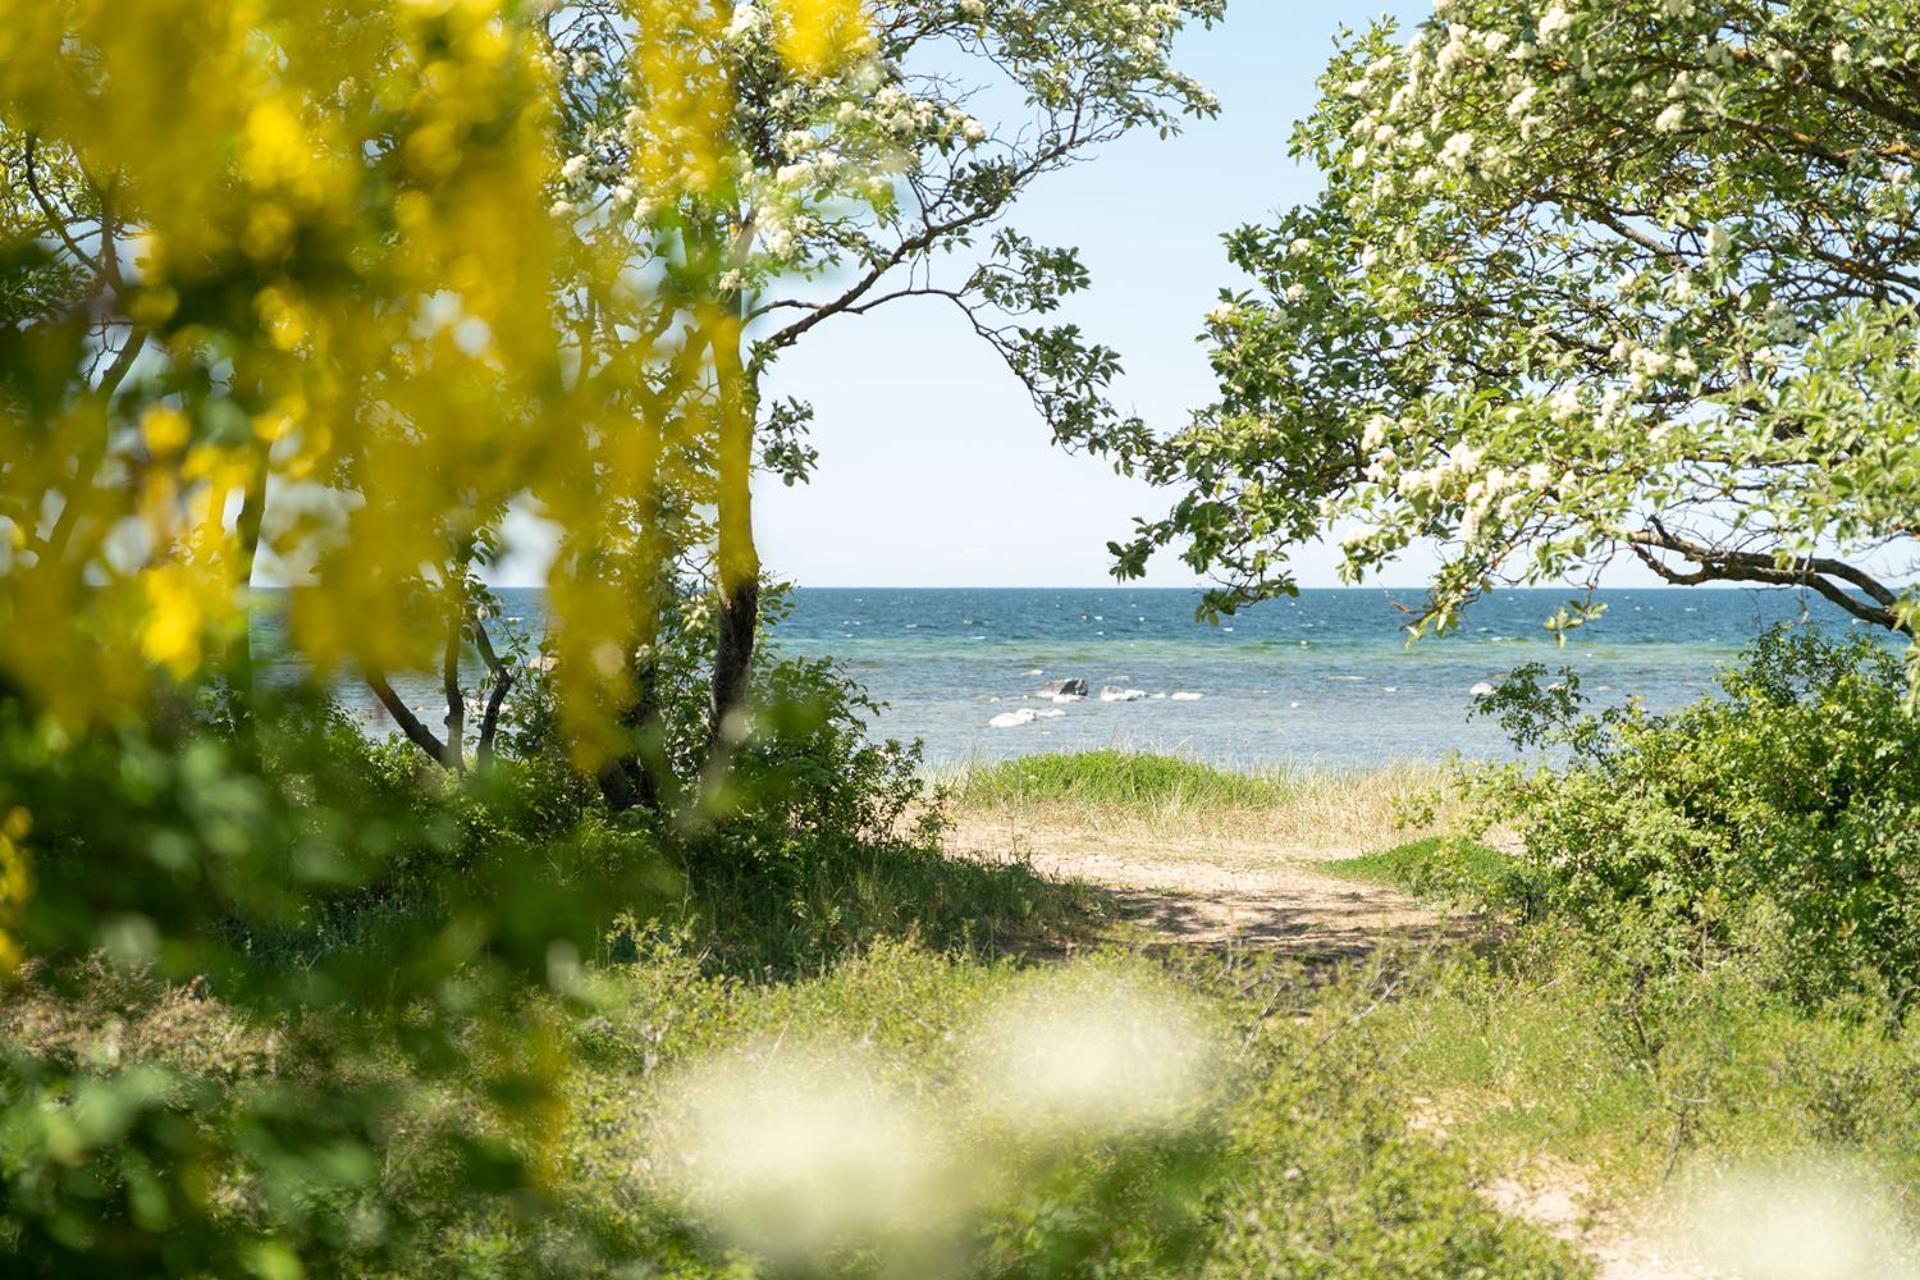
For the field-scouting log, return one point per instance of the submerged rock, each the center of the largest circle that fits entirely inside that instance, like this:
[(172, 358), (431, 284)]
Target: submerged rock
[(1482, 690), (1114, 693), (1184, 696), (1073, 687), (1013, 719)]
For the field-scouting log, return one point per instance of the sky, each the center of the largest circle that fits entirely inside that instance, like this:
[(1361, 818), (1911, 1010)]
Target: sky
[(934, 468)]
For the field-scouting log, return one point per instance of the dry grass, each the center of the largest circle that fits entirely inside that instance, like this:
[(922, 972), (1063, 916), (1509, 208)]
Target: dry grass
[(1297, 812)]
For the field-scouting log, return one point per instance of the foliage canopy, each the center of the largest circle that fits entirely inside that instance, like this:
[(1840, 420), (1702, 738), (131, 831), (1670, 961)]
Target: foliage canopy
[(1586, 279)]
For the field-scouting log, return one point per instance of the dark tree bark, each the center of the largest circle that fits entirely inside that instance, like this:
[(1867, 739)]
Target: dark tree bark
[(240, 671), (410, 724), (733, 660), (496, 697), (738, 561), (456, 721)]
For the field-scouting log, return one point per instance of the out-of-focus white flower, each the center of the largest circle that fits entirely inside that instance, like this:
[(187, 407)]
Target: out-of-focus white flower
[(1222, 313), (1554, 24), (797, 1151), (1671, 119), (1092, 1052), (1816, 1221), (1300, 248), (1296, 292), (1458, 150)]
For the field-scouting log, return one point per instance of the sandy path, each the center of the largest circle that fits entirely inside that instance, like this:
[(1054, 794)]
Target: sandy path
[(1208, 891), (1213, 892)]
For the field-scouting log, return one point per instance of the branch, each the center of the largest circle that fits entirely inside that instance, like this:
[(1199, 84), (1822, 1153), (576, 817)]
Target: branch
[(502, 682), (409, 723), (1817, 572)]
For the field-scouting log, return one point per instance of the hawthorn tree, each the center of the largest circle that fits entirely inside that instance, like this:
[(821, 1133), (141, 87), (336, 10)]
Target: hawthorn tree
[(845, 179), (1586, 279)]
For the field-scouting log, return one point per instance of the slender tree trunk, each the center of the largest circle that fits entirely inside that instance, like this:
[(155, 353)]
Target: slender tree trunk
[(410, 724), (738, 561), (650, 760), (240, 672), (496, 697), (456, 722)]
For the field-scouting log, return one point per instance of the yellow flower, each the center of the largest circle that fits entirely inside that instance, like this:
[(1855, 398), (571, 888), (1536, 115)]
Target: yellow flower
[(16, 885), (166, 430), (819, 37), (175, 618)]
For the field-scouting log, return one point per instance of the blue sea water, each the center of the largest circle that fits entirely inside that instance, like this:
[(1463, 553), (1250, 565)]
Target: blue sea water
[(1326, 679)]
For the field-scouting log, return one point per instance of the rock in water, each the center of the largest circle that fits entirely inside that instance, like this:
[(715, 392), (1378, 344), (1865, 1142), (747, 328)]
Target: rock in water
[(1074, 687), (1482, 690), (1187, 697), (1114, 693), (1013, 719)]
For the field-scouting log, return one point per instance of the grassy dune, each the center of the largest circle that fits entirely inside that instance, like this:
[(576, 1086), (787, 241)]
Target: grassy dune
[(1166, 795)]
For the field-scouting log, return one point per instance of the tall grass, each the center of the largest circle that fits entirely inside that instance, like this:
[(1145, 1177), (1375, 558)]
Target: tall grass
[(1112, 790), (1133, 780)]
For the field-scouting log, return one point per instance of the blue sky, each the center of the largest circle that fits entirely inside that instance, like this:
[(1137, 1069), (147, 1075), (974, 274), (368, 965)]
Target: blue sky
[(935, 471)]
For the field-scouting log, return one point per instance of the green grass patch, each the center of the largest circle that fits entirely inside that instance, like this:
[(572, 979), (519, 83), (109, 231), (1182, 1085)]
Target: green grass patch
[(1115, 779), (1437, 867), (1293, 1159), (1559, 1043)]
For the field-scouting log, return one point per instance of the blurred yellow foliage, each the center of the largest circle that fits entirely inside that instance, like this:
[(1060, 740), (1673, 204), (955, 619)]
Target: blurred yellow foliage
[(328, 252), (818, 37), (16, 883)]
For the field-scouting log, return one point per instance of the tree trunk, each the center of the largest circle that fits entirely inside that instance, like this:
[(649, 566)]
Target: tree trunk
[(733, 662), (410, 724), (496, 698), (738, 561), (247, 535), (456, 722)]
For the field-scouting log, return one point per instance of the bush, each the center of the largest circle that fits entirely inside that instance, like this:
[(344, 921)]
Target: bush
[(1781, 819), (1445, 867)]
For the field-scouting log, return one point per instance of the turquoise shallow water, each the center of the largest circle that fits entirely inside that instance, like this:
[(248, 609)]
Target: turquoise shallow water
[(1327, 679)]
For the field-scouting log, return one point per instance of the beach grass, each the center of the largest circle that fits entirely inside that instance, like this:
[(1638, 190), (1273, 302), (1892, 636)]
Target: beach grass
[(1451, 867), (1285, 805)]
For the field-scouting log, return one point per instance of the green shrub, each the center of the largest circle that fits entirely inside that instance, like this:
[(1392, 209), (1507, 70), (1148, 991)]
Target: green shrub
[(1781, 818), (1449, 867)]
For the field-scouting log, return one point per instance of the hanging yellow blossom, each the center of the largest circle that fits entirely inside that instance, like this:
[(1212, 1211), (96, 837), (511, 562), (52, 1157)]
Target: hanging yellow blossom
[(16, 883), (818, 37)]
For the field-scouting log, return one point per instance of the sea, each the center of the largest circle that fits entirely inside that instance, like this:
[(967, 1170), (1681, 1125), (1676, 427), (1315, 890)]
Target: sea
[(1327, 679)]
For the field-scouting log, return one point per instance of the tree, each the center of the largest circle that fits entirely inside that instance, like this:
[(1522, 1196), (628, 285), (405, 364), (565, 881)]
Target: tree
[(844, 178), (1585, 280)]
